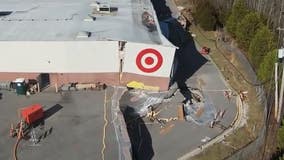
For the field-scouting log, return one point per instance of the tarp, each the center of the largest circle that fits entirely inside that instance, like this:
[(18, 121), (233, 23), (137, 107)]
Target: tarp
[(200, 113), (141, 100)]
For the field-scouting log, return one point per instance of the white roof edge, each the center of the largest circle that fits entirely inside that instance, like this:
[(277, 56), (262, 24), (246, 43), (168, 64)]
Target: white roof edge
[(168, 44)]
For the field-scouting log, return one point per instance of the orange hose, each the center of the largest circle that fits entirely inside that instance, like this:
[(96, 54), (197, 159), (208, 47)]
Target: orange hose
[(20, 136), (15, 149)]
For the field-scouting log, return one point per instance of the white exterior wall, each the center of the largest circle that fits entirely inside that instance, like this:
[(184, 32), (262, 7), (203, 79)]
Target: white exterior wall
[(131, 53), (81, 57), (59, 56)]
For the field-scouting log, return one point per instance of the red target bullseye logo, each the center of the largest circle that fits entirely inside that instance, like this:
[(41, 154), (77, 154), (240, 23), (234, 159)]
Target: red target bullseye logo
[(149, 60)]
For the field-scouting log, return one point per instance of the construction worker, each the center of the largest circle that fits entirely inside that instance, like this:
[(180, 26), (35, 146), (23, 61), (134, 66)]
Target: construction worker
[(227, 94)]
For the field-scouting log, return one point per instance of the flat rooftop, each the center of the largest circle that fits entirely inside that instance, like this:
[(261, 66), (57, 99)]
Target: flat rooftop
[(64, 20)]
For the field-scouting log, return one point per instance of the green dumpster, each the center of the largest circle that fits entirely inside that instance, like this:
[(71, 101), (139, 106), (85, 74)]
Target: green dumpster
[(21, 87)]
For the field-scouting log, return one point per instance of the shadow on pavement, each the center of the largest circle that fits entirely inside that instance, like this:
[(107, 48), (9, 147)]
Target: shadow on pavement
[(52, 110), (46, 114), (141, 141), (187, 58), (189, 61)]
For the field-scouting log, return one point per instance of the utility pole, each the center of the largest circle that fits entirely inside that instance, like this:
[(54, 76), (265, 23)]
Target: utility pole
[(281, 97), (276, 91), (280, 56), (279, 22)]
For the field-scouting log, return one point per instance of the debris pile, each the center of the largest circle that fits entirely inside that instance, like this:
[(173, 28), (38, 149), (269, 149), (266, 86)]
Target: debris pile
[(201, 112)]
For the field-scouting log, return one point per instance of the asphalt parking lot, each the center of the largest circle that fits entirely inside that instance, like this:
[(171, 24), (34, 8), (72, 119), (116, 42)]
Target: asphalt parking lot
[(75, 121)]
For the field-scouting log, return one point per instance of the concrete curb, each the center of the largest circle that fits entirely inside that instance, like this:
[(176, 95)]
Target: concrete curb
[(123, 140)]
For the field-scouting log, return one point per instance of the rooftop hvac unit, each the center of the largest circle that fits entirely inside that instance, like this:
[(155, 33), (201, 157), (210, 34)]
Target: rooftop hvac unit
[(103, 7)]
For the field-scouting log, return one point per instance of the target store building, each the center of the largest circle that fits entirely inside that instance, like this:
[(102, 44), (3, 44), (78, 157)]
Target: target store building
[(84, 41)]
